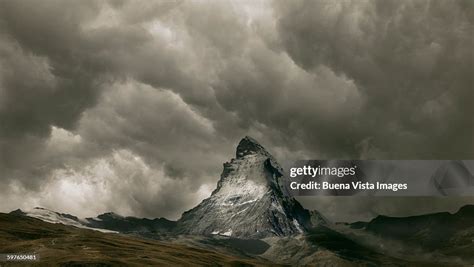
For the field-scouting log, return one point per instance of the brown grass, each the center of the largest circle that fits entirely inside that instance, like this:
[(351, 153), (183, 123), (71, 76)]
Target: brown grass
[(60, 245)]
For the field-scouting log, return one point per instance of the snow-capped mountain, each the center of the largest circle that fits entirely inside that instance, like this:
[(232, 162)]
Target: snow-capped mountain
[(107, 222), (248, 201), (56, 217)]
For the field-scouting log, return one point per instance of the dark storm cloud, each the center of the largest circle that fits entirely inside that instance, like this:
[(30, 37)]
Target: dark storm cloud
[(40, 86), (134, 106), (412, 60), (59, 61), (43, 80)]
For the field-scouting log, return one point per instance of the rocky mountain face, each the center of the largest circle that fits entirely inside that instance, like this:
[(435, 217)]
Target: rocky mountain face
[(249, 201)]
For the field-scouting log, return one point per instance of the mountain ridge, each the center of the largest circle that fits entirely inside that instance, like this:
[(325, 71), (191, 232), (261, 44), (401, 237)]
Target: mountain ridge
[(248, 200), (432, 230)]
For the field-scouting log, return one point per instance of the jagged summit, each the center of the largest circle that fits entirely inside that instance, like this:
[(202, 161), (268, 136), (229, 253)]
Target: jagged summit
[(247, 146), (248, 201)]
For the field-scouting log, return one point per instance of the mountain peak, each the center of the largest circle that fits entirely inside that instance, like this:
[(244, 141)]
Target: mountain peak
[(248, 201), (247, 146)]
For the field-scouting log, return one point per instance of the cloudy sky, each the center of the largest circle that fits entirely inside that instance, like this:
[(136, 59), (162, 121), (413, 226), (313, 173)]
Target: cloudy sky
[(133, 107)]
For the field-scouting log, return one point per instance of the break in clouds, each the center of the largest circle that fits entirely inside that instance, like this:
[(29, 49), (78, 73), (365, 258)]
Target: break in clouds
[(133, 106)]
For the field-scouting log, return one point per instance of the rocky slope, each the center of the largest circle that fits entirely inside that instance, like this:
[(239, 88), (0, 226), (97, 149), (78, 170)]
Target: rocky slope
[(248, 201), (64, 245)]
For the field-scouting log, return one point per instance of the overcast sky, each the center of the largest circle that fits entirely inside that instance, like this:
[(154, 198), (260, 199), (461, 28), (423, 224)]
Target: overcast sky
[(133, 106)]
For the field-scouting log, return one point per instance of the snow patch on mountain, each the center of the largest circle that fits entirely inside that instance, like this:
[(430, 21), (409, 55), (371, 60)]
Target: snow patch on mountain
[(248, 201), (62, 218), (228, 233)]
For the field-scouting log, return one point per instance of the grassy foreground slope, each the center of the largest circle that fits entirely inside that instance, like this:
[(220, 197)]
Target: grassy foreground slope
[(60, 245)]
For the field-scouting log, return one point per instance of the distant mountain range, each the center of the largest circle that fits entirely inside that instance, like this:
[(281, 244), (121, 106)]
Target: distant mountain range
[(107, 222), (452, 233), (248, 215)]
